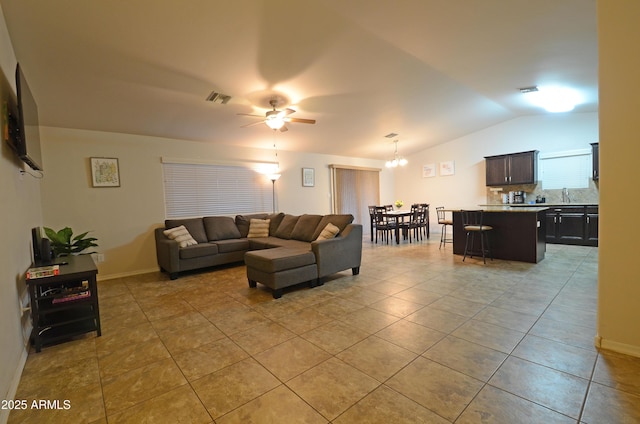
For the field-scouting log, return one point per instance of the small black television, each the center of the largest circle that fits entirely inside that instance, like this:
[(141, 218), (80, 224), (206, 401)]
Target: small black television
[(26, 135)]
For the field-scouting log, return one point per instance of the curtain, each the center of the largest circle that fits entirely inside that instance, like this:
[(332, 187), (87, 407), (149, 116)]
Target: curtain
[(354, 190)]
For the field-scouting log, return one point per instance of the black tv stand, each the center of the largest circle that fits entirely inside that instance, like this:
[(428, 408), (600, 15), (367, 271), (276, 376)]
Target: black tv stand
[(65, 305)]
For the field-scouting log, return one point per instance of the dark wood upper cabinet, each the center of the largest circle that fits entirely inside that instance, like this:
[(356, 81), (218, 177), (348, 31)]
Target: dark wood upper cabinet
[(515, 168)]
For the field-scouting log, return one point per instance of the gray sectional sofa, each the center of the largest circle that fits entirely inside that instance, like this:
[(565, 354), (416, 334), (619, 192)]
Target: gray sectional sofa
[(223, 240)]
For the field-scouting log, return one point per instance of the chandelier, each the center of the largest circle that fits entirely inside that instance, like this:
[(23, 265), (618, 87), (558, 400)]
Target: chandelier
[(397, 159)]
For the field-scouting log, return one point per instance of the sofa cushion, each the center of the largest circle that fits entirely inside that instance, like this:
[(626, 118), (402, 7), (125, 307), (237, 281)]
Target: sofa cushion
[(243, 222), (286, 226), (329, 232), (220, 228), (339, 220), (181, 235), (198, 251), (306, 227), (232, 245), (259, 228), (193, 225), (279, 259), (276, 219)]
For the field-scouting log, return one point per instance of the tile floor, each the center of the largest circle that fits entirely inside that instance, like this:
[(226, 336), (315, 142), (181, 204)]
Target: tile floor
[(418, 336)]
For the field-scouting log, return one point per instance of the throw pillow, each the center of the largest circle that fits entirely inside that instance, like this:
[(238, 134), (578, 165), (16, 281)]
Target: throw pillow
[(329, 232), (181, 235), (258, 228)]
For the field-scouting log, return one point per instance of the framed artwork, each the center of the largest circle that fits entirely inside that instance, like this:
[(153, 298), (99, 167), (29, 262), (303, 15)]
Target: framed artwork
[(429, 170), (447, 168), (308, 177), (105, 172)]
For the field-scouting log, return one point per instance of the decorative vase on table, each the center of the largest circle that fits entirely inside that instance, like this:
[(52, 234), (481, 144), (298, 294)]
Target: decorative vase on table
[(399, 204)]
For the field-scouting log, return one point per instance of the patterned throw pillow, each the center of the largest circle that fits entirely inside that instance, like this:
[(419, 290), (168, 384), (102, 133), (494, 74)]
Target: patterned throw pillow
[(259, 228), (329, 232), (181, 235)]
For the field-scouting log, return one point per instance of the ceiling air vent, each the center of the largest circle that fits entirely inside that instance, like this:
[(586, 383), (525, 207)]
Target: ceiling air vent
[(218, 97), (531, 89)]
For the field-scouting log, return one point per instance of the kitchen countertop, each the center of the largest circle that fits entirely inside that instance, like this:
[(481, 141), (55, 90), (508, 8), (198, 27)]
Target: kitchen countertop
[(537, 205), (503, 208)]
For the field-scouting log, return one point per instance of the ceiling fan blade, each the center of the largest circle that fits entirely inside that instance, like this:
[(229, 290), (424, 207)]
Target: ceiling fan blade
[(252, 124), (250, 114), (288, 111), (301, 120), (284, 128)]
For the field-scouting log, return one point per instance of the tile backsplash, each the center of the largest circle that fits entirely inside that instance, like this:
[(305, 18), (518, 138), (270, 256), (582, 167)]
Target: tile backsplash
[(576, 195)]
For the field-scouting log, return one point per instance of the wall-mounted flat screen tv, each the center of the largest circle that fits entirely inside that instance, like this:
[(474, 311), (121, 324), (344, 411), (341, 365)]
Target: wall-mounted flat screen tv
[(26, 141)]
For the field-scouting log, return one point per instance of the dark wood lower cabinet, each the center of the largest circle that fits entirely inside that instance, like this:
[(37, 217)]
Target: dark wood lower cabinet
[(516, 235), (577, 225)]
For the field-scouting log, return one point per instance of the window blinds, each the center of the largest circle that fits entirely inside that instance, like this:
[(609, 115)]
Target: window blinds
[(205, 189), (571, 169)]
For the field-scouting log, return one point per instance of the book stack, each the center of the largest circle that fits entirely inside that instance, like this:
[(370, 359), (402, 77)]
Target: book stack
[(43, 272)]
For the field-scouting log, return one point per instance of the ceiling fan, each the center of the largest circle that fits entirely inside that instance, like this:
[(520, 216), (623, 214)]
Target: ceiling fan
[(276, 119)]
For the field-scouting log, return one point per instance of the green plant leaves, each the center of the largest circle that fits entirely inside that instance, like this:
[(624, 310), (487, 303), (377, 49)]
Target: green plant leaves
[(63, 244)]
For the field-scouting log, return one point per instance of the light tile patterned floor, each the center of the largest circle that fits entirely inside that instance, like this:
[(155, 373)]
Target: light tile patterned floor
[(418, 336)]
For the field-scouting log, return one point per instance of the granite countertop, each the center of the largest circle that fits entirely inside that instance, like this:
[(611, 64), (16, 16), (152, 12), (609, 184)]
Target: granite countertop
[(509, 208), (536, 205), (503, 208)]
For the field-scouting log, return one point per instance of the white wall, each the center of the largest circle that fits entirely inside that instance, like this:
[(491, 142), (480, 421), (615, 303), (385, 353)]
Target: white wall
[(20, 211), (546, 133), (123, 218)]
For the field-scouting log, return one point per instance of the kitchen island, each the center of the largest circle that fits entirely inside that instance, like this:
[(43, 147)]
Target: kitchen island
[(518, 233)]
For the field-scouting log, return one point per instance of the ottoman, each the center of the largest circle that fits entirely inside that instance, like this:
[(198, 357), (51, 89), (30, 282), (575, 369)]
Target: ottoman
[(281, 267)]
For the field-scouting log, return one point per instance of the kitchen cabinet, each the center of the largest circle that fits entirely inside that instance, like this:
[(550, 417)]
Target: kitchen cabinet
[(591, 235), (577, 225), (514, 168), (595, 158)]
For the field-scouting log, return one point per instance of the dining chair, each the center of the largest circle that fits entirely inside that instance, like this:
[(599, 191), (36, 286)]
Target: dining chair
[(424, 219), (384, 225), (414, 226), (372, 219), (444, 222), (472, 222)]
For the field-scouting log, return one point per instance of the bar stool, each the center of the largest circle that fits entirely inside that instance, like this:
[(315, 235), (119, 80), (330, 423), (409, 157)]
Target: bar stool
[(444, 221), (472, 224)]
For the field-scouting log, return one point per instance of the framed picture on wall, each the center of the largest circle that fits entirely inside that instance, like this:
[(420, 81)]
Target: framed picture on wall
[(429, 170), (105, 172), (447, 168), (308, 177)]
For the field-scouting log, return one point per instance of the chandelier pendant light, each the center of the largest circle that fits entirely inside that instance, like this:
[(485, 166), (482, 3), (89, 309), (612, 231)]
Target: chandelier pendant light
[(397, 159)]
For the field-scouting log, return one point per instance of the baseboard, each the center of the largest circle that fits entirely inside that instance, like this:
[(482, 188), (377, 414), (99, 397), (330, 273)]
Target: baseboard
[(127, 274), (13, 388), (618, 347)]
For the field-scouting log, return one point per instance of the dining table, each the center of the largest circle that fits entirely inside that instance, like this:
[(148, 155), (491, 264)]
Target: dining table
[(400, 215)]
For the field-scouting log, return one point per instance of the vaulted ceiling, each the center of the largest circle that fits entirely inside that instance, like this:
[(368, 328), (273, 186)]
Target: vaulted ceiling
[(428, 70)]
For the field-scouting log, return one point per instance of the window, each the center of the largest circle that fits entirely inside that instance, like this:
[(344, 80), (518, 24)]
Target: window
[(570, 169), (192, 190)]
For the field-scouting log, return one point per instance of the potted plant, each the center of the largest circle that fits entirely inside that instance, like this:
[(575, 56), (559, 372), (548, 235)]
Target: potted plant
[(63, 243)]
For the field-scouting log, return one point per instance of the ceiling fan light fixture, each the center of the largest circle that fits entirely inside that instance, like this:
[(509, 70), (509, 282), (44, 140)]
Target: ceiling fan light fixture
[(275, 122)]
